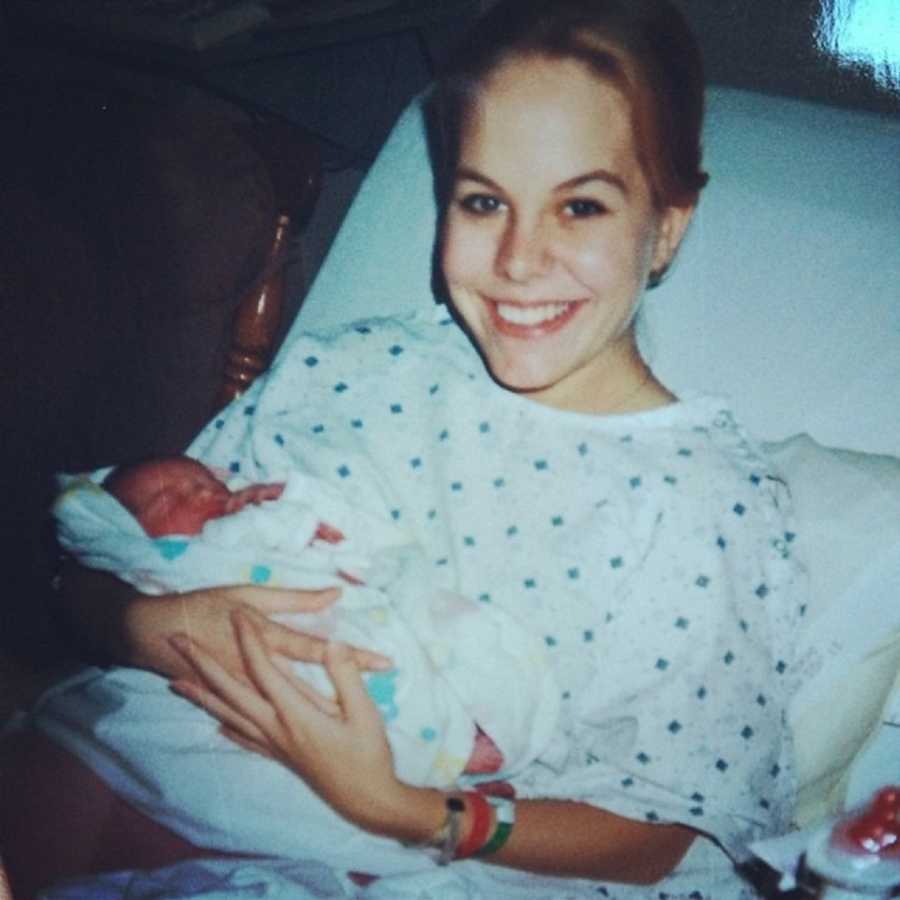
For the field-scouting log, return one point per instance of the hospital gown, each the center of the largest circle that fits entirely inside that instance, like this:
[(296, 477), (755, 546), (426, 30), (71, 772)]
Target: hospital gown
[(652, 552)]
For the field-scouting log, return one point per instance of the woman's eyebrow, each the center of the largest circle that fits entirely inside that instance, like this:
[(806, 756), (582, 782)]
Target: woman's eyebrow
[(603, 175), (464, 173)]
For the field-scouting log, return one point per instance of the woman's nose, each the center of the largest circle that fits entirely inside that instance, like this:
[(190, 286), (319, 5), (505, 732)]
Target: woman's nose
[(524, 252)]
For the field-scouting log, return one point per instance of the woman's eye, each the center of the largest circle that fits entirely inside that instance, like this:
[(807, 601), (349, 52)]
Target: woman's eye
[(582, 208), (480, 204)]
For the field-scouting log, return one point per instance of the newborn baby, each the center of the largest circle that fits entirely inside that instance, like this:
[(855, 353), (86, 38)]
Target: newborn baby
[(462, 669), (295, 533), (179, 495)]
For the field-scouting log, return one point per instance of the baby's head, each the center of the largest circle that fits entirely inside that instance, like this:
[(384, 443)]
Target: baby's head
[(170, 495)]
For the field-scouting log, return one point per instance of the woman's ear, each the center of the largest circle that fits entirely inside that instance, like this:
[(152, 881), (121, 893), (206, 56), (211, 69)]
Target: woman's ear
[(673, 223)]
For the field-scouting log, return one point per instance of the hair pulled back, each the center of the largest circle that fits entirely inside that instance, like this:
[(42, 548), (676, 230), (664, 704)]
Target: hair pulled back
[(645, 47)]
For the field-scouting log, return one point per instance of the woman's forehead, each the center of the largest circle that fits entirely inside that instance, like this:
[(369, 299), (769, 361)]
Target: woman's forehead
[(561, 93), (547, 117)]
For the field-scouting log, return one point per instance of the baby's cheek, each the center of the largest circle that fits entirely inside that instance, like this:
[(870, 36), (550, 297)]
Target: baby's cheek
[(191, 519), (175, 521)]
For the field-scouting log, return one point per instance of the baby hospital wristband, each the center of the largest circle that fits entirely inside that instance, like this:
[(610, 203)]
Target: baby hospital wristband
[(505, 811)]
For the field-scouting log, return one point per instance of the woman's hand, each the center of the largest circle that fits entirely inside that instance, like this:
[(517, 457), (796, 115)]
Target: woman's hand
[(149, 622), (114, 623), (340, 750), (338, 747)]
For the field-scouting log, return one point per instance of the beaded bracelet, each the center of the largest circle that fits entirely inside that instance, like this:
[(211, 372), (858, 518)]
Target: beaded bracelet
[(505, 811)]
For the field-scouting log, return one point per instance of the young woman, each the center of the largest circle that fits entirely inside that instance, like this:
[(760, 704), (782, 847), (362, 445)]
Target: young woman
[(531, 450)]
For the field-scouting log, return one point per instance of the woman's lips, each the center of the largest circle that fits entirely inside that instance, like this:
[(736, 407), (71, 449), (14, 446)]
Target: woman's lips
[(531, 320)]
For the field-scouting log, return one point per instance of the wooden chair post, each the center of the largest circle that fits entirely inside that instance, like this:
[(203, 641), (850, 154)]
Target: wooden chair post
[(256, 321)]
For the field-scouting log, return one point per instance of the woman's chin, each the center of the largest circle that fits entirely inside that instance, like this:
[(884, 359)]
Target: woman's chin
[(519, 379)]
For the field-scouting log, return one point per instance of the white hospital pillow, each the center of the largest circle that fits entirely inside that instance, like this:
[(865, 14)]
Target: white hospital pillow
[(847, 506)]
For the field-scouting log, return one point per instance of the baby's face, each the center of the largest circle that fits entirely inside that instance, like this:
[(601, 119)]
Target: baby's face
[(176, 496)]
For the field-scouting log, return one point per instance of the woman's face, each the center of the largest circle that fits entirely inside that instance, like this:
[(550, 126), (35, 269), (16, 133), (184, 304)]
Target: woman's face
[(551, 233)]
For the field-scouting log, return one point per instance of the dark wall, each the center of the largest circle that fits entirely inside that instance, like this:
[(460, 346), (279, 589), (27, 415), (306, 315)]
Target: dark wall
[(770, 46)]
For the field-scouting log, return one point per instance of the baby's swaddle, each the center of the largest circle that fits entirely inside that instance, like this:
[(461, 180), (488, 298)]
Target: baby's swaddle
[(458, 662)]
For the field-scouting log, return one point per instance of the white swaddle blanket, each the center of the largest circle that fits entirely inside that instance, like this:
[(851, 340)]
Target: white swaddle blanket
[(450, 654), (274, 543)]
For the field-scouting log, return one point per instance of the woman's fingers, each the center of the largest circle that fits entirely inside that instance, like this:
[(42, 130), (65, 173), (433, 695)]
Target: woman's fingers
[(242, 741), (268, 632), (370, 661), (327, 705), (342, 753), (241, 699), (269, 600), (207, 700), (309, 648), (283, 640), (297, 644), (278, 687), (348, 683)]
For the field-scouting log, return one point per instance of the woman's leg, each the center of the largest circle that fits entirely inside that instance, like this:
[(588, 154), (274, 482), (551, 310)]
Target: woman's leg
[(58, 819)]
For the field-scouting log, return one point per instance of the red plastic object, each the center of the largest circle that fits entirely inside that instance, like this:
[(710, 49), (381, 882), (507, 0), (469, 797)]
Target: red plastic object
[(876, 829)]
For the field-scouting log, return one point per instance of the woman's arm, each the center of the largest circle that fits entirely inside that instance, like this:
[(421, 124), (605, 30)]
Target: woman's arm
[(341, 751), (116, 624), (561, 837), (92, 605)]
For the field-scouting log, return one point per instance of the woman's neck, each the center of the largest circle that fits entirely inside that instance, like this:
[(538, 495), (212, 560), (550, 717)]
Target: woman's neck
[(624, 383)]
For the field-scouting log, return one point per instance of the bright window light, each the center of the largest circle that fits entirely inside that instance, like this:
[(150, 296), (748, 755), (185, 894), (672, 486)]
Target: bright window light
[(863, 33)]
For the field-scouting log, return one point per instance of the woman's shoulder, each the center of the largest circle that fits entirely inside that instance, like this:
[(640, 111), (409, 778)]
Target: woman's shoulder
[(371, 361), (697, 425), (419, 330), (379, 344), (709, 420), (701, 444)]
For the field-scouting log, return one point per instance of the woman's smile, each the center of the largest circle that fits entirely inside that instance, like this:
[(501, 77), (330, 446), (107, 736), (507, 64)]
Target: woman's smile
[(531, 320), (548, 243)]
